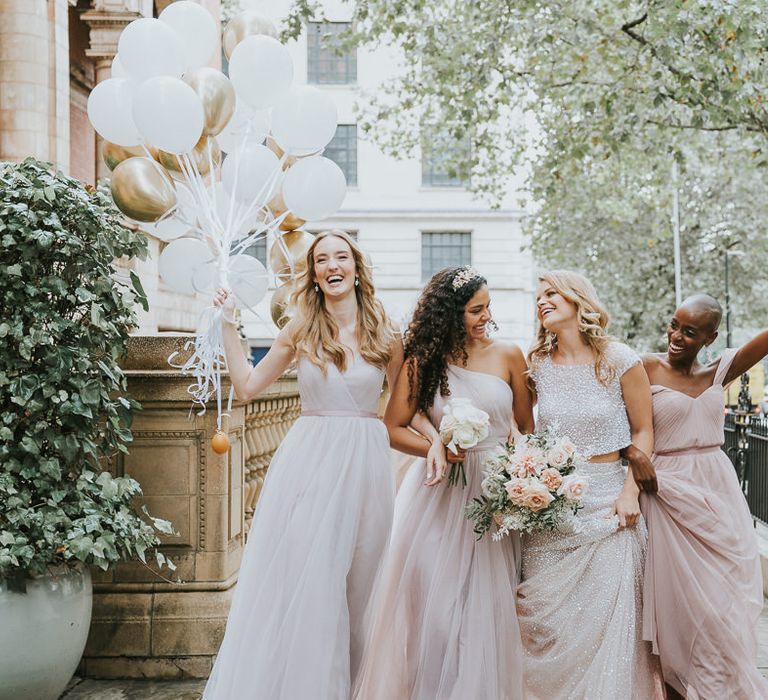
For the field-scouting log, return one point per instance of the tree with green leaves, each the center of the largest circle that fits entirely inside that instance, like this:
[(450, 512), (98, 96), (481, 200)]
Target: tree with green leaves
[(63, 413), (592, 101)]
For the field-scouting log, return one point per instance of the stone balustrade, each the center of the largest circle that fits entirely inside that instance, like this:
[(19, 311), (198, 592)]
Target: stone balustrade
[(267, 420), (144, 626)]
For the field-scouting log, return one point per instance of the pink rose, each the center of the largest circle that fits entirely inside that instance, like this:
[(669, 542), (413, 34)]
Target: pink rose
[(516, 491), (573, 487), (529, 462), (566, 445), (537, 497), (551, 478)]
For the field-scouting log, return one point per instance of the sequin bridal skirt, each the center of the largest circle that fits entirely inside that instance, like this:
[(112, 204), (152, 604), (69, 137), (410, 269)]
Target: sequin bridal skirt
[(580, 604)]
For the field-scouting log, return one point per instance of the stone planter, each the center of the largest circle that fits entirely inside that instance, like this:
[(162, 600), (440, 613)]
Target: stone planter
[(43, 633)]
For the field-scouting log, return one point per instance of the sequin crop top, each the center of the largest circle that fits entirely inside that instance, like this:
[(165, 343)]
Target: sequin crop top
[(573, 403)]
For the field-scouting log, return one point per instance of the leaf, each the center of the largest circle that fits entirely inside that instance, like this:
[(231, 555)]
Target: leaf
[(142, 296)]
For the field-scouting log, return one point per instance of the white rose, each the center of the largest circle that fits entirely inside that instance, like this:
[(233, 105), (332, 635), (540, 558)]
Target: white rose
[(465, 437), (557, 456)]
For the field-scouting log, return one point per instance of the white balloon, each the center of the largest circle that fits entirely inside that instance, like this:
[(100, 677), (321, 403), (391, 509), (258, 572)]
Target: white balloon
[(314, 188), (168, 114), (252, 172), (186, 205), (221, 201), (110, 112), (179, 261), (196, 29), (118, 70), (149, 47), (168, 228), (304, 121), (246, 125), (248, 279), (261, 70)]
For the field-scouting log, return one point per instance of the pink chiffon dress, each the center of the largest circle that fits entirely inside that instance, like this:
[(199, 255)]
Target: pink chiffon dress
[(703, 590), (296, 626), (444, 625)]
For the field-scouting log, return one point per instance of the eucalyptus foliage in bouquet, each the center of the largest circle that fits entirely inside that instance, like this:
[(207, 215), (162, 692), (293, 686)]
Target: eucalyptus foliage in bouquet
[(64, 324), (528, 486)]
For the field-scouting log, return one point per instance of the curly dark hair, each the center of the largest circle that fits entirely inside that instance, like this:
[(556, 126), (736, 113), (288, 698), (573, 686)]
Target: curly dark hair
[(437, 333)]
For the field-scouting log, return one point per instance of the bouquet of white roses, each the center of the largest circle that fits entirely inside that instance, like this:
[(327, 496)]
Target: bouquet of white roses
[(463, 425), (528, 486)]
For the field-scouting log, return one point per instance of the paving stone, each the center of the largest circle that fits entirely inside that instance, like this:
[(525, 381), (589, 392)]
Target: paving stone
[(192, 690)]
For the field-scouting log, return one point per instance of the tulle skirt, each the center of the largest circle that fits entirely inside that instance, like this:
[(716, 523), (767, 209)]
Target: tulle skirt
[(444, 625), (703, 585), (296, 626), (580, 604)]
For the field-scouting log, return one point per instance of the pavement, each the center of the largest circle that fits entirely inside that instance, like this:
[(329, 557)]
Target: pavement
[(89, 689)]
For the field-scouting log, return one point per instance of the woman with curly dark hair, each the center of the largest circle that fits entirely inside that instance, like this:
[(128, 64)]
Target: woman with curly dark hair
[(445, 624)]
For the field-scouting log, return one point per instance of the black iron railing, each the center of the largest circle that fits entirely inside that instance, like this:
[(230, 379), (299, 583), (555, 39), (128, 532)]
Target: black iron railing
[(746, 443)]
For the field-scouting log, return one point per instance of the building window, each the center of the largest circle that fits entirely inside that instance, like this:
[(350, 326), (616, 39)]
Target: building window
[(441, 249), (342, 150), (436, 151), (324, 65), (258, 249)]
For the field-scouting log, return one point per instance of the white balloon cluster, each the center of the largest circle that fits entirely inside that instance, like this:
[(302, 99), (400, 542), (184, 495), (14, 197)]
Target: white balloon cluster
[(167, 117)]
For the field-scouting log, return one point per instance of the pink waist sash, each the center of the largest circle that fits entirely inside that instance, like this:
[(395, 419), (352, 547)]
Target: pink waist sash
[(687, 451), (342, 414)]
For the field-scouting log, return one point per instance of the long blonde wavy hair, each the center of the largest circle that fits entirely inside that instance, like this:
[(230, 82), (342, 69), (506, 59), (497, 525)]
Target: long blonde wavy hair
[(313, 332), (591, 317)]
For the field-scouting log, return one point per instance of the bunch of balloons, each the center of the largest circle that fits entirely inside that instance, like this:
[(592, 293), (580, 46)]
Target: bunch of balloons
[(168, 119)]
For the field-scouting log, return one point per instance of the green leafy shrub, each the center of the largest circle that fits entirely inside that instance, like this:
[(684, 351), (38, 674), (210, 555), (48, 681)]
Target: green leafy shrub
[(64, 323)]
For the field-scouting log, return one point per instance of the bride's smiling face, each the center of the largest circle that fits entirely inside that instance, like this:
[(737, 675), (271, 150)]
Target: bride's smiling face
[(477, 314), (553, 309)]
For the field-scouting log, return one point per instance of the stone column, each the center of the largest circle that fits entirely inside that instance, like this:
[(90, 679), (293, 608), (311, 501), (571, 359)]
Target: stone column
[(24, 80), (106, 21), (143, 626)]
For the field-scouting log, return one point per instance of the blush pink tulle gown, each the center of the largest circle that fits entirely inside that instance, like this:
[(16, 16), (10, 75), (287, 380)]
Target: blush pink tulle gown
[(444, 623), (295, 630), (703, 590)]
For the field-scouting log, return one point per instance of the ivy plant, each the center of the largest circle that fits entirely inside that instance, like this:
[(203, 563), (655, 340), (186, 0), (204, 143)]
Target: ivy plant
[(66, 316)]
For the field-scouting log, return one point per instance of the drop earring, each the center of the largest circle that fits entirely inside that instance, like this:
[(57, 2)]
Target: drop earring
[(317, 289), (357, 281)]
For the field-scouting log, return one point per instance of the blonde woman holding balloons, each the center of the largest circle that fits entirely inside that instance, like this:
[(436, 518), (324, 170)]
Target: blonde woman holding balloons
[(295, 628)]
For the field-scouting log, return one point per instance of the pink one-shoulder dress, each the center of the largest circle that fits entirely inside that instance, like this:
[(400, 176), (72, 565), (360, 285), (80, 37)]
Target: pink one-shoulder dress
[(703, 589)]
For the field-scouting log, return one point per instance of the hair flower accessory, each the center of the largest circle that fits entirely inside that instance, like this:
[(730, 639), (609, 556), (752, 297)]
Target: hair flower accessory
[(464, 275)]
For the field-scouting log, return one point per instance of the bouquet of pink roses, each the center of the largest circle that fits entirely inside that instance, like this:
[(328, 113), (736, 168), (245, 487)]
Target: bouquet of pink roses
[(528, 486)]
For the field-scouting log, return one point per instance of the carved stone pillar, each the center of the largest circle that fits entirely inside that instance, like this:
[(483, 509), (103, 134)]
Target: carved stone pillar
[(106, 21), (142, 626)]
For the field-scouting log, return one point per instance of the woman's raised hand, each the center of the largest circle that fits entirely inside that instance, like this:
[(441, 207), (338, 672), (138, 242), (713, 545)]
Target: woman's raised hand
[(225, 300)]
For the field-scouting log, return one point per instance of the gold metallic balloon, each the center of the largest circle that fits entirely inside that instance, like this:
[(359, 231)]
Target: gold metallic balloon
[(247, 23), (199, 156), (272, 146), (298, 243), (114, 155), (142, 189), (277, 207), (217, 95), (278, 307)]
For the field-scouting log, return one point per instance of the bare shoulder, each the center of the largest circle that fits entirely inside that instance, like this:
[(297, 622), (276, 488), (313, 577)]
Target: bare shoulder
[(511, 351), (651, 360)]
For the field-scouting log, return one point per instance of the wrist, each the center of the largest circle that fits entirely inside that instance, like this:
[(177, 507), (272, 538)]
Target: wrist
[(630, 491)]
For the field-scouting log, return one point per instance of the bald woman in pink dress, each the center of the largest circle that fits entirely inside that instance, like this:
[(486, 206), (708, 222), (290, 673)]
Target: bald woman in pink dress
[(703, 589)]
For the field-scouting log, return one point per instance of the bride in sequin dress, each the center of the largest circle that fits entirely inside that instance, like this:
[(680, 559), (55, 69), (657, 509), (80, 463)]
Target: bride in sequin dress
[(579, 602)]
